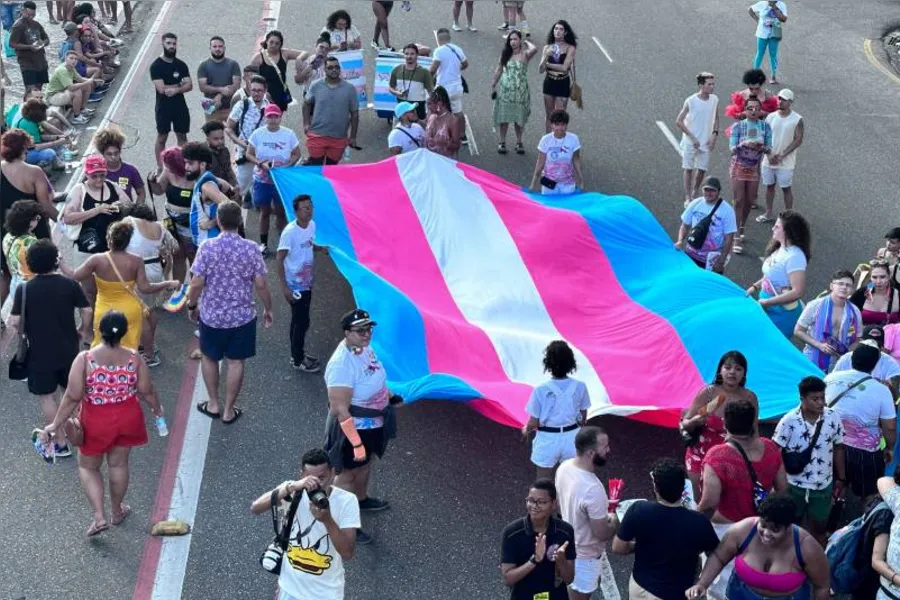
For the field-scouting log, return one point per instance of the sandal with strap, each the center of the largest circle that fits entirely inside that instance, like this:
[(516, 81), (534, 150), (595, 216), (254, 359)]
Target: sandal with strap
[(501, 148), (96, 528), (520, 149)]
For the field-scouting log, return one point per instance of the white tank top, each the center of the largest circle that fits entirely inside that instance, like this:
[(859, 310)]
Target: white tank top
[(782, 135)]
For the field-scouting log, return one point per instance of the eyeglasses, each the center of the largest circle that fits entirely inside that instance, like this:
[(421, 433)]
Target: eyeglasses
[(537, 502), (362, 330)]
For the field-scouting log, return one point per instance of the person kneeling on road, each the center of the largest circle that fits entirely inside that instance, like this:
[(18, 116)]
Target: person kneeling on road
[(322, 532), (361, 419)]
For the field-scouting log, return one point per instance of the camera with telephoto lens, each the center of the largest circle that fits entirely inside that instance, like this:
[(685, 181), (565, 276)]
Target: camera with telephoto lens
[(319, 498)]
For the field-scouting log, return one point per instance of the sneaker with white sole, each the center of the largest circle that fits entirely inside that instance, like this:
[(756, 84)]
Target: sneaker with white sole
[(307, 365), (375, 46), (61, 451), (471, 28), (80, 119), (503, 27), (456, 27)]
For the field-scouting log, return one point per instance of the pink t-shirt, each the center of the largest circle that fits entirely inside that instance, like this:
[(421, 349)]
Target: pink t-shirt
[(582, 497)]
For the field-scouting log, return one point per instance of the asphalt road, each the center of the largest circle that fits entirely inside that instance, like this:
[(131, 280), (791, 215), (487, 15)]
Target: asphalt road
[(454, 478)]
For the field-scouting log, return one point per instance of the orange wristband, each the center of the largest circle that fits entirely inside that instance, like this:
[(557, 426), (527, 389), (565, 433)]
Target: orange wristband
[(349, 430)]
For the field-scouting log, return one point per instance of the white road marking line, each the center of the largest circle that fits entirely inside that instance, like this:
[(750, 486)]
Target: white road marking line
[(470, 135), (669, 136), (602, 49), (123, 88), (436, 43), (173, 555)]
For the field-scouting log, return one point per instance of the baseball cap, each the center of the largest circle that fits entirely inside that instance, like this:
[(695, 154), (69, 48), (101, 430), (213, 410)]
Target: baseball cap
[(356, 318), (69, 27), (893, 234), (272, 110), (786, 94), (94, 164), (874, 333), (403, 108), (712, 183)]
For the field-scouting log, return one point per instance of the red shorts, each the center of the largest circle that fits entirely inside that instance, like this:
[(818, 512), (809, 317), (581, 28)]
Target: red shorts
[(320, 146), (109, 425)]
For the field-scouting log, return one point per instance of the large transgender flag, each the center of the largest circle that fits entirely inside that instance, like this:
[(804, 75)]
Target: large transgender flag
[(469, 278)]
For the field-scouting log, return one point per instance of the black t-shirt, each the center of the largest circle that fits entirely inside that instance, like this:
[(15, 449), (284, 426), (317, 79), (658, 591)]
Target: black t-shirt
[(171, 73), (518, 547), (668, 542), (879, 523), (50, 303)]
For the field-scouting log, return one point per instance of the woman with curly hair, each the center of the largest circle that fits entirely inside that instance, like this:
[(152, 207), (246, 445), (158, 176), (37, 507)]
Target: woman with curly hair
[(109, 141), (442, 131), (512, 101), (558, 62), (783, 283), (272, 61), (21, 219), (754, 80), (344, 36)]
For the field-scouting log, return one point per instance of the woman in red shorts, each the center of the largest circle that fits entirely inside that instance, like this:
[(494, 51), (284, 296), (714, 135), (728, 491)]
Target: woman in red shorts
[(106, 381), (703, 423)]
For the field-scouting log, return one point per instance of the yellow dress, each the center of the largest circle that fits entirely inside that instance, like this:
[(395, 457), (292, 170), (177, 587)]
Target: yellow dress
[(115, 295)]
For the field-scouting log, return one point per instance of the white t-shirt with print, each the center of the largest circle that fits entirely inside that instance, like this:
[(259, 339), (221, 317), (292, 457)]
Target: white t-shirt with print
[(449, 72), (861, 408), (794, 434), (398, 138), (560, 153), (767, 17), (349, 35), (558, 402), (272, 145), (886, 368), (723, 222), (312, 569), (253, 120), (700, 119), (780, 264), (298, 264), (363, 373)]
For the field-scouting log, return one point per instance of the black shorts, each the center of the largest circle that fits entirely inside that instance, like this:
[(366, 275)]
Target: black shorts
[(388, 6), (234, 343), (558, 88), (863, 470), (173, 118), (43, 380), (34, 77), (372, 439)]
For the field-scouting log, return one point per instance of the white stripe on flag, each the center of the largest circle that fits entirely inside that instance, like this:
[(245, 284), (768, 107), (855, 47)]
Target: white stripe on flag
[(484, 271)]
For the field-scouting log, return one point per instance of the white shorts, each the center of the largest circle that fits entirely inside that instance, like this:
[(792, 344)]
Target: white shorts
[(587, 575), (692, 158), (455, 92), (783, 177), (550, 449), (245, 177)]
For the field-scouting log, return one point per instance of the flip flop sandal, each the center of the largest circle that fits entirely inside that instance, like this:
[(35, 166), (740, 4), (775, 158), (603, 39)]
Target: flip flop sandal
[(204, 408), (96, 528), (737, 248), (520, 149), (765, 219), (501, 148), (754, 206), (237, 415), (126, 510)]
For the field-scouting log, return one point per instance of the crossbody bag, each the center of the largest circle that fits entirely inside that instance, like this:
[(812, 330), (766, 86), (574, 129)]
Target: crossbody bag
[(758, 492), (465, 83), (145, 310), (699, 232)]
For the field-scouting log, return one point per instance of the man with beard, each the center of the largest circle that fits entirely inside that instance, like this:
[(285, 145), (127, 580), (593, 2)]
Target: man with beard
[(407, 135), (206, 196), (584, 504), (215, 140), (172, 80), (219, 79), (410, 82)]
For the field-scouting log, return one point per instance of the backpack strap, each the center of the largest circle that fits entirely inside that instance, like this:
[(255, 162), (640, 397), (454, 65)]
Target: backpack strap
[(797, 550)]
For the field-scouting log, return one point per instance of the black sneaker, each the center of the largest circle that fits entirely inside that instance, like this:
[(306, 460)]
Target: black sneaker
[(465, 140), (363, 538), (371, 504), (309, 365)]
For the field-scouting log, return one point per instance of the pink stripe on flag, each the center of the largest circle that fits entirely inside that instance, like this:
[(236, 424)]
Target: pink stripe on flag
[(623, 340), (389, 241)]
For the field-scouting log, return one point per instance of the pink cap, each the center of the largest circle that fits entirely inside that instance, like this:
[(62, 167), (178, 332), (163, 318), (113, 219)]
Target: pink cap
[(272, 110)]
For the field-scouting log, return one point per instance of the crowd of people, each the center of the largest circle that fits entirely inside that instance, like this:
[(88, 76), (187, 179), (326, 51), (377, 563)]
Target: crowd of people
[(761, 509)]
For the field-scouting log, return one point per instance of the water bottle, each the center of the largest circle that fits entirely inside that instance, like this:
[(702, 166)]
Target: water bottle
[(161, 428), (347, 153)]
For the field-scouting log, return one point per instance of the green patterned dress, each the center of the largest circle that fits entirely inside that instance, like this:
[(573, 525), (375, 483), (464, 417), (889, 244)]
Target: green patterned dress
[(513, 103)]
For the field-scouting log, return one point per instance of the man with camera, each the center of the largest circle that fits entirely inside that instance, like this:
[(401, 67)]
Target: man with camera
[(322, 534)]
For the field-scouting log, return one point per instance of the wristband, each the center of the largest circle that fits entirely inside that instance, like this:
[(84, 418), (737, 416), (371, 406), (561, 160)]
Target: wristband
[(349, 430), (192, 307)]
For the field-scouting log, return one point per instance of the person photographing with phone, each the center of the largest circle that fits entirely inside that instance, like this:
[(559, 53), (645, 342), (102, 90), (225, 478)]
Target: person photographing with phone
[(322, 532)]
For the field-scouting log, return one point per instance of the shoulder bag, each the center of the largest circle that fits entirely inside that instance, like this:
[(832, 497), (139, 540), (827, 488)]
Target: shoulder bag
[(70, 230), (18, 364), (410, 136), (699, 232), (575, 92), (758, 492), (795, 462), (145, 310), (465, 83), (844, 393), (274, 553)]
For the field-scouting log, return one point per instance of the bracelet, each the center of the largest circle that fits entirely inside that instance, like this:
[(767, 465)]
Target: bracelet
[(192, 307), (357, 445)]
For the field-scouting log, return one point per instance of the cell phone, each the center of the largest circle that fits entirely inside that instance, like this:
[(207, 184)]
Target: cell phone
[(493, 95), (548, 183)]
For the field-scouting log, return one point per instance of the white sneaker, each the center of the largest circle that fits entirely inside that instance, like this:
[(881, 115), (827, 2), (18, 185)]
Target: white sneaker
[(472, 28), (80, 119), (456, 27), (116, 42), (375, 46)]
